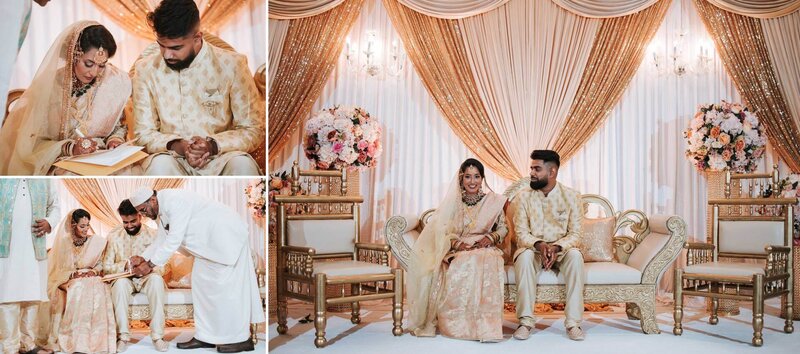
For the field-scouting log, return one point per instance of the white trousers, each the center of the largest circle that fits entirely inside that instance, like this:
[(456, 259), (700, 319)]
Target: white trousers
[(122, 294), (18, 326), (528, 267)]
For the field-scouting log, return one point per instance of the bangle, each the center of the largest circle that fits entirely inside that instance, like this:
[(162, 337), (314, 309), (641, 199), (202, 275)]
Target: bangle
[(66, 149)]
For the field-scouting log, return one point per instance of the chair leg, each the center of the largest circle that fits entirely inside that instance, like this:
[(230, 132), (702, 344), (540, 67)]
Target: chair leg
[(714, 319), (280, 311), (678, 296), (633, 311), (758, 309), (788, 327), (355, 314), (397, 303), (647, 312), (320, 314)]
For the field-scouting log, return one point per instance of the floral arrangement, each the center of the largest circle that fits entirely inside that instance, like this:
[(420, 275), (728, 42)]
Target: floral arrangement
[(342, 137), (256, 193), (725, 136), (790, 187)]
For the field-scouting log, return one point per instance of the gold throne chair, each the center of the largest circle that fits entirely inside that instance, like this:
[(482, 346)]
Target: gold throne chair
[(749, 223), (319, 249)]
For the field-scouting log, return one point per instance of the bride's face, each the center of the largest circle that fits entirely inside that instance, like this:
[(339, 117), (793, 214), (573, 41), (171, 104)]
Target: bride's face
[(81, 228), (86, 68), (471, 180)]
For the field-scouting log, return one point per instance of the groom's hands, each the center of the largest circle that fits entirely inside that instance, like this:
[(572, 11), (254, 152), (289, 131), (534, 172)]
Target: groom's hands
[(549, 253)]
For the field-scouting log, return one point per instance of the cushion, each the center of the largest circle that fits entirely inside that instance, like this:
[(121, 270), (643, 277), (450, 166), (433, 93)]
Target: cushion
[(597, 241), (342, 268), (749, 236), (178, 272), (324, 236), (594, 273), (725, 268), (174, 297)]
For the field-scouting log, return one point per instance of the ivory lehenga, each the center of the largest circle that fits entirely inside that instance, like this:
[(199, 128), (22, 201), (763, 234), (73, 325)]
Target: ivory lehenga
[(56, 109), (463, 298), (81, 309)]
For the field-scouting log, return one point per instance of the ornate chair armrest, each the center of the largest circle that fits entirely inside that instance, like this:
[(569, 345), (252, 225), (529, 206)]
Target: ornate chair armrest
[(777, 260), (698, 252), (373, 253), (297, 261), (674, 229)]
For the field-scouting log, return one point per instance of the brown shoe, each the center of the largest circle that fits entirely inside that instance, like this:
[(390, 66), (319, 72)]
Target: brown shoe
[(246, 346), (575, 333), (195, 343)]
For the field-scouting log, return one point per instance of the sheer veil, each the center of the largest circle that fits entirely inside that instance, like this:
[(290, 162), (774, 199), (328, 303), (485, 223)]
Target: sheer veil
[(36, 126)]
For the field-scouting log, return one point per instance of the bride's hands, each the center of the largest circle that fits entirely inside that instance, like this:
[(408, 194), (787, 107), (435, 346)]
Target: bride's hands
[(83, 146), (484, 242)]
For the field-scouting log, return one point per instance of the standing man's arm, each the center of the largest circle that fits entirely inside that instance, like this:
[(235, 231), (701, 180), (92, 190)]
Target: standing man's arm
[(53, 207), (179, 219)]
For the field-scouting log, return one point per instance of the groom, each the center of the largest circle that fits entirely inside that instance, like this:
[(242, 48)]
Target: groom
[(548, 226), (195, 106)]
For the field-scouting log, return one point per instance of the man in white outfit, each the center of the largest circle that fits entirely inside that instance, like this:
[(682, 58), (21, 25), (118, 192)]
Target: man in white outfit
[(13, 28), (23, 259), (224, 289)]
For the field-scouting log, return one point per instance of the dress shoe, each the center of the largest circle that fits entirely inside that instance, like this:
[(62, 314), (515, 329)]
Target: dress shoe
[(575, 333), (523, 332), (194, 344), (246, 346)]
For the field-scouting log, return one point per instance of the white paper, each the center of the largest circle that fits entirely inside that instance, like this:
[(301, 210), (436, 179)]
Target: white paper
[(108, 157)]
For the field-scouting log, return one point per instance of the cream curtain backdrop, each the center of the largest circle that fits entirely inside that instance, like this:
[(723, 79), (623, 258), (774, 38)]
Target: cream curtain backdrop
[(527, 58), (781, 36), (244, 31), (229, 191)]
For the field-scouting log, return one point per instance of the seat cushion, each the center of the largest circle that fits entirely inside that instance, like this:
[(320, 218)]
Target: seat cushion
[(174, 297), (594, 273), (342, 268), (725, 268)]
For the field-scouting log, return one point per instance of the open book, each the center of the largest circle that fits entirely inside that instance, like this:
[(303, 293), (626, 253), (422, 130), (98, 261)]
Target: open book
[(104, 162), (112, 277)]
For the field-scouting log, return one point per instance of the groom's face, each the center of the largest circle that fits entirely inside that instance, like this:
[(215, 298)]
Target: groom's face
[(178, 53), (541, 173), (132, 223)]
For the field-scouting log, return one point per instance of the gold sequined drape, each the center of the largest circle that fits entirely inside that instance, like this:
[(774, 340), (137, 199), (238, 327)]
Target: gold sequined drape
[(436, 48), (132, 14), (102, 206), (309, 54), (741, 45), (616, 53)]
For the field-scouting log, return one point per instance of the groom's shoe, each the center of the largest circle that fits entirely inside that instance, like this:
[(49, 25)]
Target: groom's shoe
[(523, 332), (575, 333), (246, 346), (194, 344)]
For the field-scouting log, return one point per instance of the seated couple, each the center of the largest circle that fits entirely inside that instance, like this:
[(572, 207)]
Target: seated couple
[(88, 315), (196, 109), (456, 277)]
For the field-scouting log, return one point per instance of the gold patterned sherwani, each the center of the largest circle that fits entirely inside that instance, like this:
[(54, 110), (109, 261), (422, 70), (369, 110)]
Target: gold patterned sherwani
[(121, 247), (556, 219), (214, 97)]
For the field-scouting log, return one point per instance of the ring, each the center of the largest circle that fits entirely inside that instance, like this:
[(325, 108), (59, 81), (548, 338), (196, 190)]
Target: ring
[(86, 143)]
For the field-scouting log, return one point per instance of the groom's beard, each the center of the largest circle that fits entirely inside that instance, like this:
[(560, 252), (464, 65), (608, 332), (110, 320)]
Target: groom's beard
[(181, 64), (134, 231), (539, 184)]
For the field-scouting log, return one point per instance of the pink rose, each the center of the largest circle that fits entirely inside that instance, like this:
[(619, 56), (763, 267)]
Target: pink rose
[(337, 147), (727, 154), (362, 157), (362, 145)]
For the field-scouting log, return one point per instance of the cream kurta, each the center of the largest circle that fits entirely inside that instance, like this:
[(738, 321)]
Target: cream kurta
[(214, 97), (555, 218), (121, 247)]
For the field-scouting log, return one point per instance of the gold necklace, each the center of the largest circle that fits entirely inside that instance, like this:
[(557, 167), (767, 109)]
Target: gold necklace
[(470, 213)]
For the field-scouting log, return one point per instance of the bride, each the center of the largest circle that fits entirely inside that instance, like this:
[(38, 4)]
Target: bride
[(72, 107)]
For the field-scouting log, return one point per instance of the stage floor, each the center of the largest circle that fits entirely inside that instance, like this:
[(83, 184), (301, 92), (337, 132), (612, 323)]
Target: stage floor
[(606, 332)]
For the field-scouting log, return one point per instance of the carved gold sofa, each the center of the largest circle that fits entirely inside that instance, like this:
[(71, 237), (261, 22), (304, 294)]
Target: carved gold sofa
[(640, 259)]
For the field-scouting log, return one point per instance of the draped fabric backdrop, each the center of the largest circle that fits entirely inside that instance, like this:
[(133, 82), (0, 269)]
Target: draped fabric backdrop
[(635, 158), (229, 191), (244, 31)]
